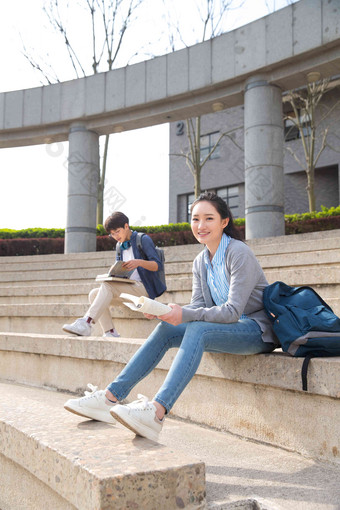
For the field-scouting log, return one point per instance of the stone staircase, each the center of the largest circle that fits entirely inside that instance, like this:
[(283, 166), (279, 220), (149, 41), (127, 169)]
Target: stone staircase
[(39, 294), (67, 462)]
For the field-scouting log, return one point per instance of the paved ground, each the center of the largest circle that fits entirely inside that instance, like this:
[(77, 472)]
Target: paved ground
[(240, 474), (255, 475)]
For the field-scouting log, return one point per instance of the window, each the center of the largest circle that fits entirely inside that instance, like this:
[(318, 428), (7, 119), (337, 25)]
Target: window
[(291, 131), (229, 194), (190, 200), (207, 144)]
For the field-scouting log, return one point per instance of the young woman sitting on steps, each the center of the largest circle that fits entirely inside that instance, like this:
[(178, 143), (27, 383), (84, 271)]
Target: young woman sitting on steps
[(225, 315)]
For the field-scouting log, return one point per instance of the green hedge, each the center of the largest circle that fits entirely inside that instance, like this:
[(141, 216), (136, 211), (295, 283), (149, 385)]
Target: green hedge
[(38, 233), (324, 213), (32, 233), (53, 233), (171, 227)]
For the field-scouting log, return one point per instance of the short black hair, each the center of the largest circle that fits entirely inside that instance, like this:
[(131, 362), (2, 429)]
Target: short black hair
[(115, 220)]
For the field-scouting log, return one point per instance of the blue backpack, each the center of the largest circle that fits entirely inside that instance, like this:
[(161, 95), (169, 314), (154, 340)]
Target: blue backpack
[(303, 322)]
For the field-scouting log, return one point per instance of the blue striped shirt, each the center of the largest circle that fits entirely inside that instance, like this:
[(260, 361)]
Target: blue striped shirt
[(216, 273)]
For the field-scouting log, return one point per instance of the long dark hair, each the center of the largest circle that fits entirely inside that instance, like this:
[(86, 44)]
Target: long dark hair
[(223, 210)]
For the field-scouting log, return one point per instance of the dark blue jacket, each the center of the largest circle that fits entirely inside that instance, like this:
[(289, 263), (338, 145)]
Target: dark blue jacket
[(153, 285)]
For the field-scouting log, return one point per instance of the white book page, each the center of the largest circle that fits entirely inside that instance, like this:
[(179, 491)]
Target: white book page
[(146, 305)]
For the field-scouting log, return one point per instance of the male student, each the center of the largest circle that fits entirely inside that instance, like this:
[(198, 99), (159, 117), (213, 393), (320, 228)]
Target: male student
[(145, 276)]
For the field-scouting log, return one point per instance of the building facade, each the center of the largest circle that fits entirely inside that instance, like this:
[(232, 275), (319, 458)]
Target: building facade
[(224, 171)]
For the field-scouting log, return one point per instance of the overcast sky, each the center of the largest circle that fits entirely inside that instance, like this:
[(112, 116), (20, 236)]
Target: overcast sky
[(34, 179)]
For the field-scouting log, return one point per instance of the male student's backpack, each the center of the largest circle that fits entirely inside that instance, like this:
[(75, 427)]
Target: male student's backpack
[(160, 253), (303, 322)]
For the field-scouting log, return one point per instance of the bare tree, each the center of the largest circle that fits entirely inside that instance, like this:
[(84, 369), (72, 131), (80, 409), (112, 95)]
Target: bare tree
[(311, 118), (193, 156), (211, 17), (108, 22)]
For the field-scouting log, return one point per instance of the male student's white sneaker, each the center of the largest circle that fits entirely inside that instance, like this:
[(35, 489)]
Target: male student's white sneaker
[(94, 405), (79, 327), (140, 417)]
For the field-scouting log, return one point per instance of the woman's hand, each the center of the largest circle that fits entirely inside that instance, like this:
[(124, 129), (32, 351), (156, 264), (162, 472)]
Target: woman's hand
[(149, 316), (174, 317)]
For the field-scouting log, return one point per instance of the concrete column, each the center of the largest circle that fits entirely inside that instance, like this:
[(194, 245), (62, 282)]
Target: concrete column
[(263, 146), (83, 176)]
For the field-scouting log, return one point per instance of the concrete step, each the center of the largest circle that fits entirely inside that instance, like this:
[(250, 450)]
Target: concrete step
[(327, 276), (271, 245), (87, 260), (256, 397), (74, 292), (63, 274), (81, 275), (300, 244), (48, 293), (50, 317), (309, 240), (296, 259), (63, 462), (45, 309), (69, 462)]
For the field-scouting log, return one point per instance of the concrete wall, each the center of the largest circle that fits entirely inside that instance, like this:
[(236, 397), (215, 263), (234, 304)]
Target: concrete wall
[(281, 45)]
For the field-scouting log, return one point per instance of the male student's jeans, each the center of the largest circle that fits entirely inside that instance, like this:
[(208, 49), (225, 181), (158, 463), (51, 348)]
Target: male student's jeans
[(193, 339)]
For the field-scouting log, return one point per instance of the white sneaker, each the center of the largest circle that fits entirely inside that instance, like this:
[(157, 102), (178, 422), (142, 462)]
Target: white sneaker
[(113, 334), (79, 327), (140, 417), (94, 405)]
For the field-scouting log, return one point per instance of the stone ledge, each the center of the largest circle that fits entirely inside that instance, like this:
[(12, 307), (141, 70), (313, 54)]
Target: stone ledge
[(276, 369), (66, 453), (297, 259), (237, 473), (330, 240), (309, 237), (62, 269), (257, 397)]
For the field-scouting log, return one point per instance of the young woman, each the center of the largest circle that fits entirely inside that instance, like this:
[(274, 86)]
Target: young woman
[(225, 315)]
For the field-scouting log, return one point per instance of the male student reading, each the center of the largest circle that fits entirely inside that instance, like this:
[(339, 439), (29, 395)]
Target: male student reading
[(145, 276)]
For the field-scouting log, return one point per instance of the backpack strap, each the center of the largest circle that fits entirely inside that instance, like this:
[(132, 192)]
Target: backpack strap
[(140, 245), (118, 251), (304, 370)]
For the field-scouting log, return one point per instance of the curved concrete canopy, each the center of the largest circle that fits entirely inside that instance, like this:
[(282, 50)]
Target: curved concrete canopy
[(282, 48)]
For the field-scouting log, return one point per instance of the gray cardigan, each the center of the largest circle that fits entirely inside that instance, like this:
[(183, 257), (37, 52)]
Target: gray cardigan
[(246, 283)]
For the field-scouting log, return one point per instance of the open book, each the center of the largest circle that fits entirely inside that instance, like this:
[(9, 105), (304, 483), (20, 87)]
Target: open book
[(146, 305), (116, 272)]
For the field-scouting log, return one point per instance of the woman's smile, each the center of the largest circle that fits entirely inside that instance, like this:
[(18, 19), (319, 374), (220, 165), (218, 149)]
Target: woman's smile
[(203, 234), (207, 225)]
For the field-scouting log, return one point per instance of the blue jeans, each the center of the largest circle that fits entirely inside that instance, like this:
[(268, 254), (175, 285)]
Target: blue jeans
[(192, 339)]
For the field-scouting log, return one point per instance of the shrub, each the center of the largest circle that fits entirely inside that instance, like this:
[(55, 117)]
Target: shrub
[(324, 213), (312, 225), (39, 241), (32, 233), (43, 246)]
